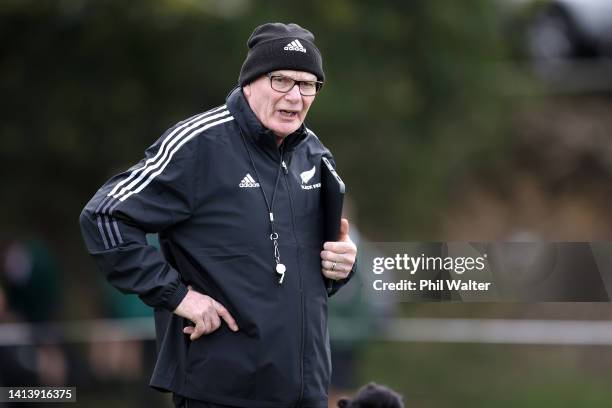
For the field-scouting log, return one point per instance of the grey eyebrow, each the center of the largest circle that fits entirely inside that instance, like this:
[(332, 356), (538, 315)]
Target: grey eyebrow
[(295, 79)]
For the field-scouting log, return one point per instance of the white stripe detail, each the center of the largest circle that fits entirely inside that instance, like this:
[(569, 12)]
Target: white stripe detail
[(117, 231), (299, 43), (250, 178), (185, 140), (161, 150), (312, 133), (101, 229), (144, 173), (108, 229)]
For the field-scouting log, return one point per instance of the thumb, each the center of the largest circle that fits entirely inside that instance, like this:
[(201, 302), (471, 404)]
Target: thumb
[(344, 230), (197, 330)]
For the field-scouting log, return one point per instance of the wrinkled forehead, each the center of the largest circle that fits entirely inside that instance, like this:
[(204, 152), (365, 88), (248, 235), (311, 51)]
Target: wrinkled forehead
[(297, 75)]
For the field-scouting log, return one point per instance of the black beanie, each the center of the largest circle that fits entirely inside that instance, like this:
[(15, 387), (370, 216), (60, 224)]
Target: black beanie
[(274, 46)]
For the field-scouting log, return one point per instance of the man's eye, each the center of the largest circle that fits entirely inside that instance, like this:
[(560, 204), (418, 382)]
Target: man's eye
[(308, 85), (283, 81)]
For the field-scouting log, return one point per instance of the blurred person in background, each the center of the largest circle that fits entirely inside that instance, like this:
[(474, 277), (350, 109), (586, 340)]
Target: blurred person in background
[(234, 194), (32, 278), (373, 395), (30, 291)]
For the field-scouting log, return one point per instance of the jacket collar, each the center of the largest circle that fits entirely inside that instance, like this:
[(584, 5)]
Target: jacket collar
[(252, 127)]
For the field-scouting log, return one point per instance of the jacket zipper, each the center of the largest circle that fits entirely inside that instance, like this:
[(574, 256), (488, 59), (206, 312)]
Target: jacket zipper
[(285, 173)]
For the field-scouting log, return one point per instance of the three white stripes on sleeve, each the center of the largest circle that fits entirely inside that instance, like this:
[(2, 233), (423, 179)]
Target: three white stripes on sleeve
[(141, 177)]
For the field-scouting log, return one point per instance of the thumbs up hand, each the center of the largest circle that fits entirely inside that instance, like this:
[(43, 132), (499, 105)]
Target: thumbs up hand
[(338, 258)]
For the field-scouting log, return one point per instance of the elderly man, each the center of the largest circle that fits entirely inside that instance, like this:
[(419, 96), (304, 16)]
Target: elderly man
[(234, 194)]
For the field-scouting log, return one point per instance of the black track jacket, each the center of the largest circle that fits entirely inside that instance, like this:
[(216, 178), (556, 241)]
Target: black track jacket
[(198, 189)]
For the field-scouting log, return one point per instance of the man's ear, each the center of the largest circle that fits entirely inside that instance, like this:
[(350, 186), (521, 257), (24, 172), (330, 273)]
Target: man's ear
[(246, 90)]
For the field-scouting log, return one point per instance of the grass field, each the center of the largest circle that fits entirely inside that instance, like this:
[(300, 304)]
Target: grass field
[(477, 375)]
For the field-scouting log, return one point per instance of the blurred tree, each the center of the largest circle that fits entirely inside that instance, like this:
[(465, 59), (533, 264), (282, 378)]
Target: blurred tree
[(413, 100)]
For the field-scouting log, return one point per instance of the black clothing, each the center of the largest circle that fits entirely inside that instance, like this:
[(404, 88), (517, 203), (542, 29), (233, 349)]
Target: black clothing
[(197, 188)]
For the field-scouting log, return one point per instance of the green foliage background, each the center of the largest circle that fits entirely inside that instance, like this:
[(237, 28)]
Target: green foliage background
[(412, 97)]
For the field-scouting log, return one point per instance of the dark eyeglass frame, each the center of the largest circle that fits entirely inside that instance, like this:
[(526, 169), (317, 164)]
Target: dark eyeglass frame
[(318, 84)]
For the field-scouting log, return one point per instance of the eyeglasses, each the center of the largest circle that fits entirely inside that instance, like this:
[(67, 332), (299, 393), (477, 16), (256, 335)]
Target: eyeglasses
[(285, 84)]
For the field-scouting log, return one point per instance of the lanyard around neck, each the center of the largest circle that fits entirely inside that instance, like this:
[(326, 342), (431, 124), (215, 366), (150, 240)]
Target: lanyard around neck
[(280, 267)]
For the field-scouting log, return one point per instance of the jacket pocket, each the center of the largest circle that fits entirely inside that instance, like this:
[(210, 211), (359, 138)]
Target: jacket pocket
[(223, 253)]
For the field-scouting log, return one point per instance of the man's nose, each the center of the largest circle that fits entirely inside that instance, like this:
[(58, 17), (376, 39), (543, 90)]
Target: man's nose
[(294, 93)]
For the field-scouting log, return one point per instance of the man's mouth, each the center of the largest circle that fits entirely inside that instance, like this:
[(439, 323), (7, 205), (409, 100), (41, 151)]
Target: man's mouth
[(287, 114)]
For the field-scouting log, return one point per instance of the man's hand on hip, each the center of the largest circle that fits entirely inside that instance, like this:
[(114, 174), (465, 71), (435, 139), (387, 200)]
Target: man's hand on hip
[(205, 312), (338, 258)]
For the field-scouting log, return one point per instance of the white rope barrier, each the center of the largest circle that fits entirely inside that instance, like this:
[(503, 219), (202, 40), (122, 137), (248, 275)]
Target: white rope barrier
[(494, 331), (543, 332), (79, 331)]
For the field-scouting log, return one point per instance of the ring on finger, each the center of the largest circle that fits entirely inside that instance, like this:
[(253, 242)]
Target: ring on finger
[(333, 268)]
